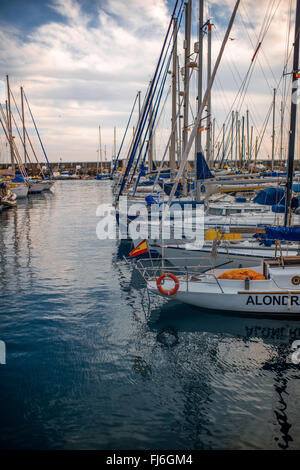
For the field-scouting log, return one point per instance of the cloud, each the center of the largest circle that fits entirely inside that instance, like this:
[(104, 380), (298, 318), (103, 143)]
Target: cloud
[(85, 75), (86, 69)]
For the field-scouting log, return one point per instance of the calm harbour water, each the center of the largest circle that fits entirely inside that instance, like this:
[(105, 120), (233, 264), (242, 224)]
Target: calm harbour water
[(93, 363)]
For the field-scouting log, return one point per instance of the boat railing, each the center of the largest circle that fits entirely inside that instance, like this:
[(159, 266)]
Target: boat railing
[(151, 268)]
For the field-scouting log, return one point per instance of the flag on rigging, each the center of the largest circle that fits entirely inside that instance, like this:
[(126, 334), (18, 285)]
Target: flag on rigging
[(140, 249)]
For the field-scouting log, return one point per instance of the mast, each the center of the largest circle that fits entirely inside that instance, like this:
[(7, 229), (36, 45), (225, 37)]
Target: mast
[(223, 143), (243, 141), (236, 136), (204, 103), (292, 133), (231, 136), (115, 143), (251, 142), (281, 129), (23, 123), (174, 96), (248, 135), (187, 53), (150, 149), (200, 74), (100, 150), (9, 126), (139, 104), (213, 140), (273, 128), (208, 147), (179, 132)]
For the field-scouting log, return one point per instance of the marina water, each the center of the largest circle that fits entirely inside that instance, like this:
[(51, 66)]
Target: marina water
[(93, 362)]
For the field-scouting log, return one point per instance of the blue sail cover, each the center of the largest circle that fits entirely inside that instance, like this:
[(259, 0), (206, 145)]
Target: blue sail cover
[(203, 172), (270, 196), (291, 234)]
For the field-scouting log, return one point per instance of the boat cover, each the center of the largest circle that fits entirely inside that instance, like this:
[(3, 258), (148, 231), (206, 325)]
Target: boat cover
[(203, 171), (291, 234), (270, 196)]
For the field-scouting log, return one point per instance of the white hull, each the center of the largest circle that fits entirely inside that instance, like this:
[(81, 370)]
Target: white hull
[(288, 303), (259, 296), (48, 185), (20, 190), (37, 187)]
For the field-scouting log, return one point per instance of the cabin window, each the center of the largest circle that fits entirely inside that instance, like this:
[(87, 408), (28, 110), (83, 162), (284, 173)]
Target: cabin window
[(215, 211), (233, 211)]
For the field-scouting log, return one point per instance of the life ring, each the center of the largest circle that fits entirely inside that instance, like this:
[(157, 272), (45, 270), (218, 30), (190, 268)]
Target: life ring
[(164, 291), (295, 280)]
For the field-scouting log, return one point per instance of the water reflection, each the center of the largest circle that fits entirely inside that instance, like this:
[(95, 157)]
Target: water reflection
[(233, 374)]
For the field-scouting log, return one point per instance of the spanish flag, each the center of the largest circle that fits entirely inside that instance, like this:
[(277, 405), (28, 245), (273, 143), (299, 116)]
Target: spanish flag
[(140, 249)]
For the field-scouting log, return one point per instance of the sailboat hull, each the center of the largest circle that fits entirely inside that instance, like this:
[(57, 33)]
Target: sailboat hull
[(20, 190), (35, 188), (258, 300)]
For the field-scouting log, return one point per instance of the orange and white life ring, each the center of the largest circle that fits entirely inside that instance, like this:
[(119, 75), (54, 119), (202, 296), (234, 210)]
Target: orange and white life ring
[(164, 291)]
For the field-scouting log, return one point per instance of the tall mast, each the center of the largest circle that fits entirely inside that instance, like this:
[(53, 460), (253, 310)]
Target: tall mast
[(248, 135), (273, 128), (243, 140), (100, 150), (199, 114), (231, 136), (179, 132), (208, 147), (174, 96), (150, 148), (281, 129), (23, 124), (236, 136), (200, 85), (139, 103), (187, 53), (115, 143), (9, 126), (291, 149)]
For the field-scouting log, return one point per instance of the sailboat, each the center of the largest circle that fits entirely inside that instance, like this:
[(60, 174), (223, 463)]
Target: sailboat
[(100, 175), (271, 288)]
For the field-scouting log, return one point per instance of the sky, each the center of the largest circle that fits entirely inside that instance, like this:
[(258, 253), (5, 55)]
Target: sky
[(81, 63)]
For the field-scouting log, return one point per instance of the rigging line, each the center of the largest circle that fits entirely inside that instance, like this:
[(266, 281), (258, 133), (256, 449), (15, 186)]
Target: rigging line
[(131, 142), (263, 53), (250, 103), (27, 135), (158, 97), (243, 86), (167, 147), (154, 113), (190, 141), (124, 135), (38, 134), (242, 102), (172, 130), (264, 28), (148, 102), (14, 146), (21, 138)]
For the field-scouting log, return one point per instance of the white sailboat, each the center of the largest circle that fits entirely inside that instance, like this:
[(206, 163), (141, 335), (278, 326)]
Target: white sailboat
[(272, 288)]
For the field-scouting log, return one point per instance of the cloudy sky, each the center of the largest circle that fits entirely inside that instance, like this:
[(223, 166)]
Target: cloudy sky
[(81, 63)]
